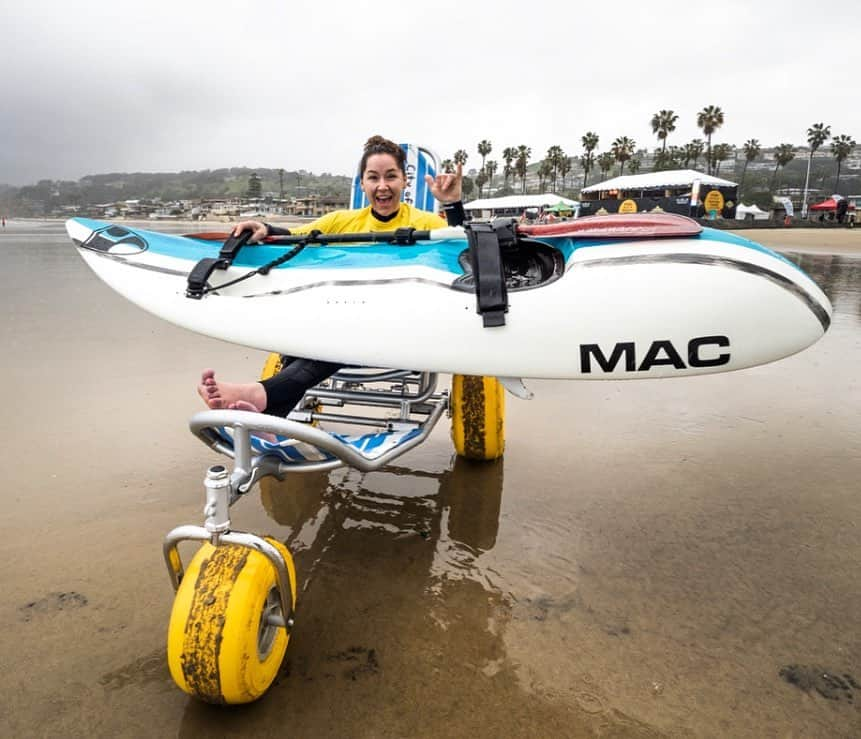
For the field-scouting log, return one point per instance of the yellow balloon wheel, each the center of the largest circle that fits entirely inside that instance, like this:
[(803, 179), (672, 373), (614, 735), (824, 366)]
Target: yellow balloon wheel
[(477, 417), (220, 647), (272, 366)]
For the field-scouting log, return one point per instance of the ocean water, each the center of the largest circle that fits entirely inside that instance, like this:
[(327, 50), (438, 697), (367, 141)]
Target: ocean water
[(650, 558)]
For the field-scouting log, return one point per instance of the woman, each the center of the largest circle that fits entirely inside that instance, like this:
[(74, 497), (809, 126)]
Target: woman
[(383, 178)]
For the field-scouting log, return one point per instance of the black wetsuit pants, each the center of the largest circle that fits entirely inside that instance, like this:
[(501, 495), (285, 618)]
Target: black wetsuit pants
[(285, 389)]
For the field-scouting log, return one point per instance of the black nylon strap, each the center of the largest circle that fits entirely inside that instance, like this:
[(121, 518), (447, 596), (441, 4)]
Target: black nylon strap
[(485, 250), (201, 272)]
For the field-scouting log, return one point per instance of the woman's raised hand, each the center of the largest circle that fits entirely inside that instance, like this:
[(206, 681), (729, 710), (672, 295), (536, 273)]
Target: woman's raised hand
[(448, 186)]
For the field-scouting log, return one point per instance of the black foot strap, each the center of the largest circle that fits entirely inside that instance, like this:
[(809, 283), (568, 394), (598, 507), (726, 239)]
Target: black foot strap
[(486, 242), (199, 275)]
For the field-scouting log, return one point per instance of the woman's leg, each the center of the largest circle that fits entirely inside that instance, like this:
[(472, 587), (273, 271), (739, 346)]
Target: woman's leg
[(284, 390)]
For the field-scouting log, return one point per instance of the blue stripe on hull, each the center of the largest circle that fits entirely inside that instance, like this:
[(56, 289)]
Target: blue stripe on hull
[(441, 255)]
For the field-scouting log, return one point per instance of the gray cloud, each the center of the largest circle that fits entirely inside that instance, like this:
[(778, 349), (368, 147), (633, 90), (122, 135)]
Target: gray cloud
[(99, 86)]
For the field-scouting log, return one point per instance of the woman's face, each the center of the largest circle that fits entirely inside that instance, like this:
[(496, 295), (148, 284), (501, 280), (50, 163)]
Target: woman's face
[(383, 183)]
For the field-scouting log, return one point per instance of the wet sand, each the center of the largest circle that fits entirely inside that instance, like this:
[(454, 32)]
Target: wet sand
[(651, 558)]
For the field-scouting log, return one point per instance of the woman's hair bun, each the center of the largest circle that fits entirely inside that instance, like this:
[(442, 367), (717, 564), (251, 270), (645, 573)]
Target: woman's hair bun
[(378, 142)]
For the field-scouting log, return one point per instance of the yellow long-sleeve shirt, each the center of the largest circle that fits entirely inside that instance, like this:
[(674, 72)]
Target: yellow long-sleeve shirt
[(363, 221)]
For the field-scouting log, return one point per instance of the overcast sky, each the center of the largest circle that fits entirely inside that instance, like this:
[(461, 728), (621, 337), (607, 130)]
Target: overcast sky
[(98, 86)]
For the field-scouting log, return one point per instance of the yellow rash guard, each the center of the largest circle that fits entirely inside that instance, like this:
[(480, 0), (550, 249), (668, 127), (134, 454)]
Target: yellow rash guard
[(363, 221)]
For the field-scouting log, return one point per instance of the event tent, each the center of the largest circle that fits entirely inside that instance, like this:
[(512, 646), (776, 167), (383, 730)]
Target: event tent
[(543, 200), (670, 178), (829, 204)]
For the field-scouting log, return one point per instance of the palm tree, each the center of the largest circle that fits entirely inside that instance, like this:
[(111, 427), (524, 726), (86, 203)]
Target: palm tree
[(751, 149), (664, 123), (545, 172), (522, 163), (675, 156), (555, 155), (484, 148), (447, 165), (460, 156), (490, 168), (622, 149), (670, 158), (590, 143), (605, 162), (841, 148), (710, 119), (509, 154), (564, 169), (817, 135), (693, 150), (480, 179), (720, 153), (783, 155), (634, 166)]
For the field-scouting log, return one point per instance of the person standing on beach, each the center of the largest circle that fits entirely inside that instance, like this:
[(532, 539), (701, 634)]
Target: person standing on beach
[(383, 178)]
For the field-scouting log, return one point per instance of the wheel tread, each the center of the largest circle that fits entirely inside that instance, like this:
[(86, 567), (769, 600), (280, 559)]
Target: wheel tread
[(199, 664)]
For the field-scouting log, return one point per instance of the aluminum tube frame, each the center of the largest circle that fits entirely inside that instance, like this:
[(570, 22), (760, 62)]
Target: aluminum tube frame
[(248, 467), (239, 538)]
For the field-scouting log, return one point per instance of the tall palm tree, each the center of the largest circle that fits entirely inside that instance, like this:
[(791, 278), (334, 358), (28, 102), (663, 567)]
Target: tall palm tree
[(605, 162), (590, 143), (783, 155), (460, 156), (693, 151), (622, 148), (490, 167), (664, 123), (484, 148), (480, 179), (545, 172), (841, 148), (710, 119), (817, 135), (521, 164), (675, 156), (555, 155), (751, 150), (564, 169), (720, 153), (509, 154)]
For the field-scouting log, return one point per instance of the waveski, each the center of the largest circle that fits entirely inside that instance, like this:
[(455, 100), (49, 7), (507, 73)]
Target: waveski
[(610, 297)]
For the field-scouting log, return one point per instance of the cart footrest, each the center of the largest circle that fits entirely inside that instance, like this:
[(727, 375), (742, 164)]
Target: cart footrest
[(293, 451)]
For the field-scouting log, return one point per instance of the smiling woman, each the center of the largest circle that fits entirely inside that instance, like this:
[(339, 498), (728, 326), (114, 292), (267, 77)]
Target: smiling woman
[(383, 177)]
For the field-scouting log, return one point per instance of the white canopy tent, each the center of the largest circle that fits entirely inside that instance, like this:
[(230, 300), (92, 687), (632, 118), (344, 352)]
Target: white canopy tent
[(516, 204), (671, 178)]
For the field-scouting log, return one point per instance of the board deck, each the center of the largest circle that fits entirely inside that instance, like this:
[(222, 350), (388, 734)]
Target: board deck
[(620, 308)]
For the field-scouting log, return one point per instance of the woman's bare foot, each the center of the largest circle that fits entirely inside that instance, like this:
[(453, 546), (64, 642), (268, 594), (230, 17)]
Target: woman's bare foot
[(219, 395)]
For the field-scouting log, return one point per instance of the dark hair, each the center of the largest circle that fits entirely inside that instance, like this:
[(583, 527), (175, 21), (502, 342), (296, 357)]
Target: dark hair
[(379, 145)]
